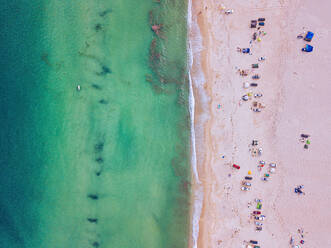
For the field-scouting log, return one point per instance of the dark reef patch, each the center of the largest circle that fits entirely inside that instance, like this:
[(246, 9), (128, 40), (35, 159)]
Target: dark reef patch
[(103, 101), (93, 196), (105, 12), (92, 220), (96, 244), (98, 27), (99, 160), (104, 71), (95, 86), (99, 146)]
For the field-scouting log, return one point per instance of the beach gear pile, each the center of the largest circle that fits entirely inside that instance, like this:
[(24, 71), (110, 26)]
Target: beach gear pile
[(248, 96), (301, 236), (257, 215), (271, 170), (299, 190), (304, 138), (246, 183), (254, 149)]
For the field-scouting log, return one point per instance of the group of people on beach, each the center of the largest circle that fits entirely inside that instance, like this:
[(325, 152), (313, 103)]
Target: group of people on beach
[(255, 149)]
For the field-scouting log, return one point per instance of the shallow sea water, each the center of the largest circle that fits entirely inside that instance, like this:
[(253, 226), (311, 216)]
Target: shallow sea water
[(106, 166)]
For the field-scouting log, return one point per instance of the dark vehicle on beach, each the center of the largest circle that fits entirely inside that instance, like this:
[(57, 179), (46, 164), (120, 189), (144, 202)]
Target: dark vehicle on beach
[(248, 178), (254, 242), (256, 212)]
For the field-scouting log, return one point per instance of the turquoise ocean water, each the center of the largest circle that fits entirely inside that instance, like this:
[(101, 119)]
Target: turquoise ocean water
[(106, 166)]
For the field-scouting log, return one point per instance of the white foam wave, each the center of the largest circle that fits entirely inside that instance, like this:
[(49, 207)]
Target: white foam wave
[(194, 46)]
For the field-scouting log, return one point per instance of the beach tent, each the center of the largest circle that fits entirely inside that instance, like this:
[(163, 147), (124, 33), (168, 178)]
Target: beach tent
[(307, 48), (309, 36)]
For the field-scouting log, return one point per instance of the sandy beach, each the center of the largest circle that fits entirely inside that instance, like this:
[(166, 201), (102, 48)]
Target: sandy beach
[(295, 88)]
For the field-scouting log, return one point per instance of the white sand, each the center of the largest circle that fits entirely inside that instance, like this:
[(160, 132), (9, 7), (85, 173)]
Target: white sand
[(296, 90)]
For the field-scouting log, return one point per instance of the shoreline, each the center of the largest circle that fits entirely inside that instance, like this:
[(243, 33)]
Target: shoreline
[(199, 100), (224, 219)]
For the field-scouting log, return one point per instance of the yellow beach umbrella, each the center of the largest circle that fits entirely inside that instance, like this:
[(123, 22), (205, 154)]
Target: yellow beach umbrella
[(249, 172)]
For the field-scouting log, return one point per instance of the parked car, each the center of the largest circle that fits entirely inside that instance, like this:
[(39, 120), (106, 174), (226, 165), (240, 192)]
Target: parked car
[(256, 212)]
